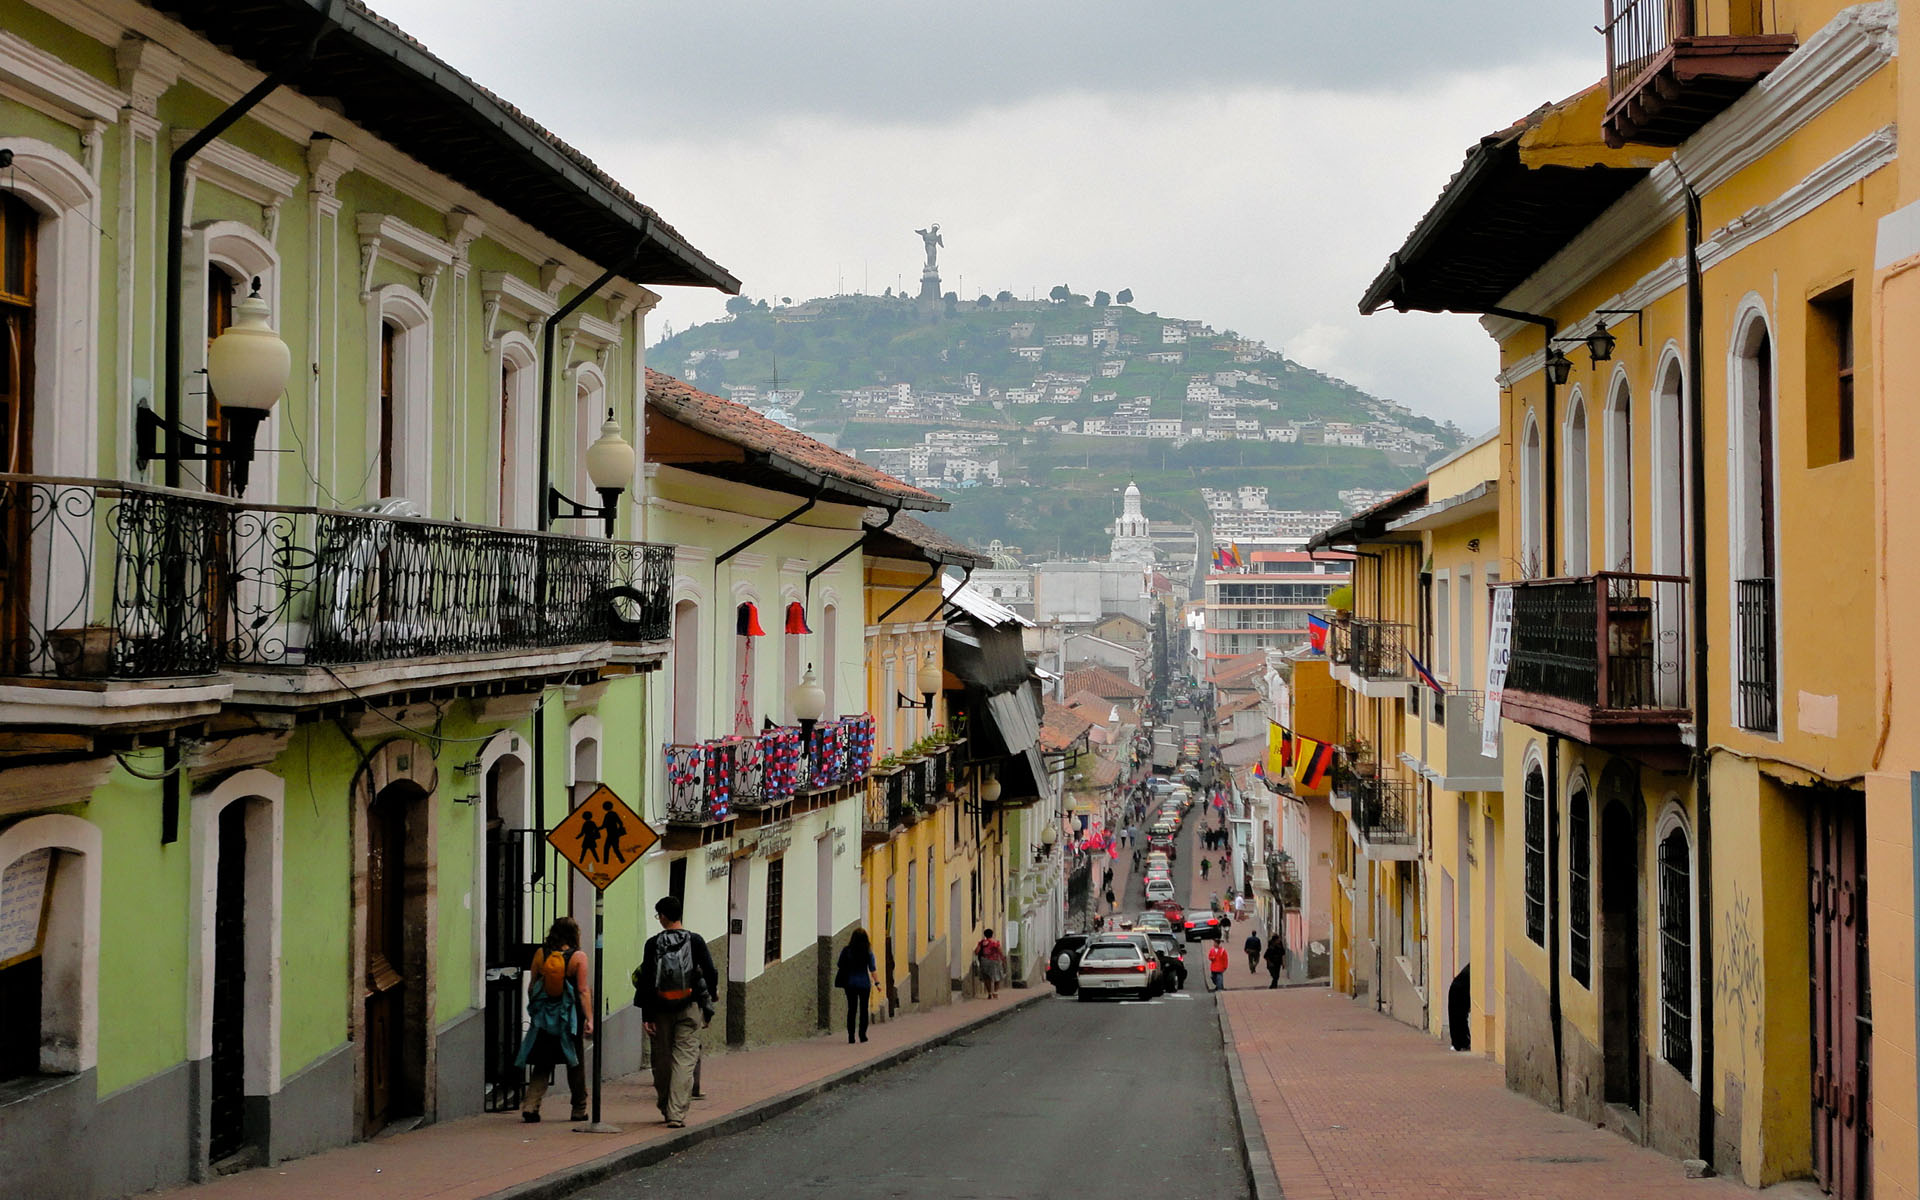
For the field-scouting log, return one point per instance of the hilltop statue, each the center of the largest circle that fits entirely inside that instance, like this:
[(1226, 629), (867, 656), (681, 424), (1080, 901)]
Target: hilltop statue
[(931, 236)]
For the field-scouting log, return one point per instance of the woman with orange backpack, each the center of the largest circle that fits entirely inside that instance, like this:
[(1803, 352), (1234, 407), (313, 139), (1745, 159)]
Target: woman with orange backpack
[(559, 1018)]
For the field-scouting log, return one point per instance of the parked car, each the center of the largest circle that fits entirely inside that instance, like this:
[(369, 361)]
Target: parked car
[(1116, 966), (1173, 959), (1159, 891), (1153, 922), (1202, 923), (1176, 916), (1063, 964)]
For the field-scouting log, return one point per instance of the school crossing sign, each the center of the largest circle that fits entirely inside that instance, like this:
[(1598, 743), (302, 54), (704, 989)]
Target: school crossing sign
[(602, 837)]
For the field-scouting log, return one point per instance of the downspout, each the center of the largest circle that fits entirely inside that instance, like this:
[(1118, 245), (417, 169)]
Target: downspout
[(177, 210), (1702, 762), (545, 520), (1549, 486)]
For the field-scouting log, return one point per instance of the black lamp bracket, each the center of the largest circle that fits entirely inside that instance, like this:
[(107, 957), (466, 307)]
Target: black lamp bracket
[(561, 507), (902, 700), (1639, 321)]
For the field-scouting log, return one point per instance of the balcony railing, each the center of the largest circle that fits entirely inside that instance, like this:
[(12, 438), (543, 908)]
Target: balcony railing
[(840, 752), (1380, 649), (1757, 656), (699, 783), (1612, 641), (1340, 643), (1671, 69), (711, 781), (1383, 810), (1638, 31), (102, 580)]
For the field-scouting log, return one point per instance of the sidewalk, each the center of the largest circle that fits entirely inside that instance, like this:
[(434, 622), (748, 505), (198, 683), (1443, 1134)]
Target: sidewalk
[(497, 1152), (1355, 1105)]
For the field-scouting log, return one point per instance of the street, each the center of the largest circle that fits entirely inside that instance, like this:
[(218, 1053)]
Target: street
[(1127, 1098)]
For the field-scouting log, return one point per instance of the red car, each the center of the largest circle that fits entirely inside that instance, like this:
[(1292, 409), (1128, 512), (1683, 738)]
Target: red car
[(1202, 923), (1176, 916)]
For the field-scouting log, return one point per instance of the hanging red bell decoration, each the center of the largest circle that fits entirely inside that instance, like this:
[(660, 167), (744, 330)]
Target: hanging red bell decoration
[(797, 617), (749, 620)]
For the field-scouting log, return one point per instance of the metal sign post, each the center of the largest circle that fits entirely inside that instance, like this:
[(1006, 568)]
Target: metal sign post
[(601, 837)]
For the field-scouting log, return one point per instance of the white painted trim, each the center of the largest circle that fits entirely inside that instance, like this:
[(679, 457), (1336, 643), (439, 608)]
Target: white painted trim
[(587, 414), (1617, 493), (38, 76), (1742, 533), (66, 351), (264, 891), (514, 351), (404, 245), (505, 292), (1576, 488), (232, 169), (1531, 545), (70, 960), (412, 314)]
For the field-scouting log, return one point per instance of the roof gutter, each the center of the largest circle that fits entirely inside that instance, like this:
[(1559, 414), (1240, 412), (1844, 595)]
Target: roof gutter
[(860, 491)]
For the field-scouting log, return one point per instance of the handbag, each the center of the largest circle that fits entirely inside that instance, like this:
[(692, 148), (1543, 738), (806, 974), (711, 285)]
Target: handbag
[(840, 973)]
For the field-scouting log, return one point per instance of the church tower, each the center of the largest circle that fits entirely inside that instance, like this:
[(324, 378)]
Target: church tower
[(1131, 540)]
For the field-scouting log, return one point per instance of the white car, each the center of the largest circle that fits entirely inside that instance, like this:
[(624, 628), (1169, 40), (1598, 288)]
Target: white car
[(1114, 966), (1159, 890)]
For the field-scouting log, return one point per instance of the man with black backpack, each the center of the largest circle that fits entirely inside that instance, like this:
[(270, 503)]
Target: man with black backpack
[(674, 988)]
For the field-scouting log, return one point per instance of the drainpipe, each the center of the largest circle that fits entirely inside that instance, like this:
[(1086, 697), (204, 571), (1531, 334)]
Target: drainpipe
[(1549, 486), (177, 210), (1702, 763), (546, 521)]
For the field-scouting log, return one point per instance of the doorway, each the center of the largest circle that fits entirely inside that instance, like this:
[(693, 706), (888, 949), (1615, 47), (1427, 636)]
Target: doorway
[(893, 990), (956, 956), (1841, 997), (226, 1133), (739, 875), (1620, 1005), (394, 993), (507, 947)]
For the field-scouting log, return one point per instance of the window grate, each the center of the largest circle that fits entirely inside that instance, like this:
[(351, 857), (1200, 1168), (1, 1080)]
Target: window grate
[(1580, 887), (1536, 858), (1676, 954), (776, 885)]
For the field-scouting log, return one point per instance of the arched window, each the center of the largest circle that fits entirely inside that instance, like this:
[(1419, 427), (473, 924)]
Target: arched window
[(1670, 533), (1580, 885), (1754, 577), (745, 682), (589, 414), (686, 673), (1676, 952), (519, 408), (829, 660), (1536, 854), (1531, 564), (1619, 477), (50, 968), (400, 432), (1574, 490)]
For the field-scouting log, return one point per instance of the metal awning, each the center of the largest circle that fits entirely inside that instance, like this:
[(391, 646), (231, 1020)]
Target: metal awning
[(1014, 716)]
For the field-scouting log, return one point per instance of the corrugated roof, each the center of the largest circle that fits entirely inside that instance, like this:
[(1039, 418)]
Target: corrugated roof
[(771, 447), (976, 604)]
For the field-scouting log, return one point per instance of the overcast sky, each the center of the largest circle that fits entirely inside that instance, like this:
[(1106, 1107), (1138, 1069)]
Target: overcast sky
[(1247, 162)]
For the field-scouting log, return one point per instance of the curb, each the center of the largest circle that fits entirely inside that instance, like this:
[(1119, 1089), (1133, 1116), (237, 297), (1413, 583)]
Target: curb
[(1254, 1155), (568, 1180)]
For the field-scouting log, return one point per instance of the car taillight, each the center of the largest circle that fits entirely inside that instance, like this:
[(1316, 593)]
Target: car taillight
[(1140, 967)]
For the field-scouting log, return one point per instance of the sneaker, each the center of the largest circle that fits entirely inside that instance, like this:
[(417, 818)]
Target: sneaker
[(673, 1124), (582, 1115), (531, 1118)]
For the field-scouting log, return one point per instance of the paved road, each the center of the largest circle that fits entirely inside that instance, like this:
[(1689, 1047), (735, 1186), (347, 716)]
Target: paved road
[(1060, 1099)]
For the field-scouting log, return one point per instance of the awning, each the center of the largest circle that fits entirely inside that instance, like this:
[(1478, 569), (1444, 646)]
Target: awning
[(1014, 716)]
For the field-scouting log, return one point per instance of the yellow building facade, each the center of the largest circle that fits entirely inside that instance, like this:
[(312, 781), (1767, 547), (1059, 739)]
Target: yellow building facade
[(1689, 480)]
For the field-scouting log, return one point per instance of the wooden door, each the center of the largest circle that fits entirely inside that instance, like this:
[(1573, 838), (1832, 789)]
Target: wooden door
[(1841, 999), (385, 984), (1621, 1012), (18, 228), (227, 1127)]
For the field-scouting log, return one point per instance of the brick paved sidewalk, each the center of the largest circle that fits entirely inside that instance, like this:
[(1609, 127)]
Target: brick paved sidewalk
[(1354, 1104), (479, 1156)]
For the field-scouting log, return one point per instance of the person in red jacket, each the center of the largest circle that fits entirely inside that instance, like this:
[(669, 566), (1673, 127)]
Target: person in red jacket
[(1217, 965)]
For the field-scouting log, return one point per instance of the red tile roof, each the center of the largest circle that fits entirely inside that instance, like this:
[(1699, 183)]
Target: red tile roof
[(787, 451), (1060, 725), (919, 534), (1239, 669), (1102, 683)]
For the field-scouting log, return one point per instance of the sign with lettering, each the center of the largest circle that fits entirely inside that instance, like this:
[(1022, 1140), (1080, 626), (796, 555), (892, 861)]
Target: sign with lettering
[(23, 905), (602, 837), (1499, 650)]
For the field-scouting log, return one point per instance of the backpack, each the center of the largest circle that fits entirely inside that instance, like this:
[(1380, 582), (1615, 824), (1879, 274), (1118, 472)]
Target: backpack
[(553, 971), (673, 975)]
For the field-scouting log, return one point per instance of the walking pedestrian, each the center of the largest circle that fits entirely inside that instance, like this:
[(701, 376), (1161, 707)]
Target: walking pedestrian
[(1252, 947), (1109, 899), (1204, 864), (990, 960), (1276, 958), (560, 1018), (854, 976), (674, 987), (1217, 966)]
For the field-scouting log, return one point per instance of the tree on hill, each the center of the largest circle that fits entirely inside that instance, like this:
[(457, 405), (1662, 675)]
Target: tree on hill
[(1004, 298), (1125, 296), (984, 300), (737, 305), (1101, 299), (1060, 293)]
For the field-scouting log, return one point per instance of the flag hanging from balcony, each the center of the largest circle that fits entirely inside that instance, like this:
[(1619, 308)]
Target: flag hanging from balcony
[(1426, 676), (1317, 632), (1279, 744), (797, 617), (1311, 764), (747, 620)]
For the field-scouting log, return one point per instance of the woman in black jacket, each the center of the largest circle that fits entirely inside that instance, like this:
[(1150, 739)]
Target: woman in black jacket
[(854, 976)]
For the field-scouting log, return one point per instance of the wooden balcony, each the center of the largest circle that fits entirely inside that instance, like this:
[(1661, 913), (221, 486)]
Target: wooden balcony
[(1602, 659), (1674, 65)]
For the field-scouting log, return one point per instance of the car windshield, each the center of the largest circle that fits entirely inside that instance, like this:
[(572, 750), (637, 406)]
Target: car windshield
[(1112, 952)]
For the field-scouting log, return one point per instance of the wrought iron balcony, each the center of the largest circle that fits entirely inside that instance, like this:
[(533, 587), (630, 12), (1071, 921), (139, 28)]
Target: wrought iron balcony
[(840, 752), (875, 829), (1600, 658), (1379, 649), (699, 783), (1756, 656), (103, 580), (1674, 65), (1340, 643), (1383, 807)]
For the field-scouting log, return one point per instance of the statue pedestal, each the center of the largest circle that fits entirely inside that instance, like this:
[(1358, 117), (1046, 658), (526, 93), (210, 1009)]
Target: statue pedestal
[(929, 285)]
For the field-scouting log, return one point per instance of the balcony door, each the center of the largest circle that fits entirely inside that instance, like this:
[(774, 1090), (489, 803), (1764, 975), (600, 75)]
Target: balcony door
[(19, 227), (1621, 1018), (1755, 580), (1670, 531)]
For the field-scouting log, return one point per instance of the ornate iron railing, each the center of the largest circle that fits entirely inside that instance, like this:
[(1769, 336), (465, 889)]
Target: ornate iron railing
[(1383, 809), (779, 753), (1756, 688), (1380, 649), (1608, 641), (840, 752), (104, 580), (1340, 643), (874, 816), (699, 783), (900, 810), (1637, 31)]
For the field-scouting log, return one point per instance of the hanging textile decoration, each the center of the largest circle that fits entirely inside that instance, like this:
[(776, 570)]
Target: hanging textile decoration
[(797, 618), (748, 620)]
